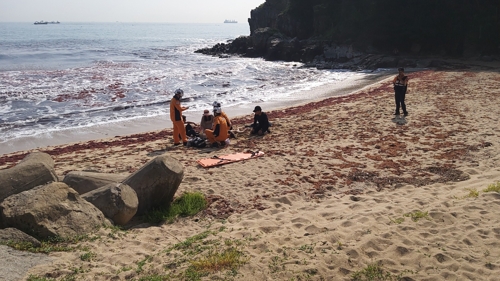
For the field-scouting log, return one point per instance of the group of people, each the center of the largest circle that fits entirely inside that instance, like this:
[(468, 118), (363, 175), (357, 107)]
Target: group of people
[(216, 127)]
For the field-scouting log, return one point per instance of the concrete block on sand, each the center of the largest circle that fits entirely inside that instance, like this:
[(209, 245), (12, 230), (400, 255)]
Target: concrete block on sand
[(117, 201), (35, 169), (156, 182), (84, 182)]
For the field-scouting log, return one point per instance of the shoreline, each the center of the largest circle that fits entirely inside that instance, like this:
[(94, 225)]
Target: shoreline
[(334, 193), (146, 125)]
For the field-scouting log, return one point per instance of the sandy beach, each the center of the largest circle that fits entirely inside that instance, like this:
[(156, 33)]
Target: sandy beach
[(343, 186)]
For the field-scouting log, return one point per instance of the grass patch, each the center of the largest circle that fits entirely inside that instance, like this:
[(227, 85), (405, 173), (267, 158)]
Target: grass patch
[(190, 241), (397, 220), (189, 204), (54, 244), (38, 278), (230, 258), (204, 254), (154, 278), (494, 187), (473, 193), (372, 272), (141, 264), (417, 215), (88, 256)]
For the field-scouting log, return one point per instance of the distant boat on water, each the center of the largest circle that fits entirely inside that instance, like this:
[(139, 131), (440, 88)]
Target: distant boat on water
[(230, 21), (46, 22)]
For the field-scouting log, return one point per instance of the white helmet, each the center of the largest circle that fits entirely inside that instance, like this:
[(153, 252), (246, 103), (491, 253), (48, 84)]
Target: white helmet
[(217, 110), (179, 92), (216, 104)]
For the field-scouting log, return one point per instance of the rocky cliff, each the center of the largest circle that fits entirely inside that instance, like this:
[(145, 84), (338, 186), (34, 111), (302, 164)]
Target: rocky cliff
[(370, 33)]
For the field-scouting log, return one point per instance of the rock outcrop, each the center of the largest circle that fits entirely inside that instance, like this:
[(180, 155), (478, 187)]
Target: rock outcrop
[(35, 169), (320, 32), (156, 182), (51, 210), (84, 182), (15, 235), (117, 201)]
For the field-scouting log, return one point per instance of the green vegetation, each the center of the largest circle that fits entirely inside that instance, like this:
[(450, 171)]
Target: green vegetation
[(188, 204), (372, 272), (88, 256), (141, 264), (473, 193), (155, 278), (230, 258), (206, 256), (38, 278), (417, 215), (397, 220), (190, 241), (494, 187), (54, 244)]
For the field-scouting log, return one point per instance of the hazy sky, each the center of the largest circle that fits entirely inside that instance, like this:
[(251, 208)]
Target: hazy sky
[(187, 11)]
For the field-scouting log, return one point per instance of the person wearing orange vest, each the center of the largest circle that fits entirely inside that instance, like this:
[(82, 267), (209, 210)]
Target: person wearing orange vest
[(223, 114), (220, 130), (176, 116)]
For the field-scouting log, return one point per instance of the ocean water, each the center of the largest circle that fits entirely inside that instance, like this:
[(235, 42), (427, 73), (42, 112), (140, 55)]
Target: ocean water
[(66, 76)]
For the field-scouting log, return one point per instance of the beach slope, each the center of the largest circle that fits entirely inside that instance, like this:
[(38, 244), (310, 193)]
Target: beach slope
[(344, 189)]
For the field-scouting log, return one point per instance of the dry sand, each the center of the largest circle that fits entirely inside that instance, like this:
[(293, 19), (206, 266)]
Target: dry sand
[(333, 194)]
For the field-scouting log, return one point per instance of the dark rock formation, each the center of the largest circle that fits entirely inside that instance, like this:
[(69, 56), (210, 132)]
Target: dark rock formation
[(319, 31)]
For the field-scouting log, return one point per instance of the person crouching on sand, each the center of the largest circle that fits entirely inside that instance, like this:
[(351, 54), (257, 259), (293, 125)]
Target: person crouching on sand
[(260, 124), (220, 132), (176, 116), (223, 114)]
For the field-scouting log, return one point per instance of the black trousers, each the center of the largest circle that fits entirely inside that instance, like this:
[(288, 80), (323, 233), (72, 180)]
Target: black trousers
[(399, 96)]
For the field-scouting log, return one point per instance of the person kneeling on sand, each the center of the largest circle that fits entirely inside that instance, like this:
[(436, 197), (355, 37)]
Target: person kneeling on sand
[(223, 114), (207, 121), (228, 121), (261, 123), (220, 132)]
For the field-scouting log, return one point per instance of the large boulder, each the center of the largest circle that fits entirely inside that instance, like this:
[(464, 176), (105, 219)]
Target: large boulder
[(51, 210), (156, 182), (17, 236), (84, 182), (35, 169), (117, 201)]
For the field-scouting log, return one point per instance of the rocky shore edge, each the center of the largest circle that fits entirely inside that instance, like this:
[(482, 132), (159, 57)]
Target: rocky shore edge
[(272, 45)]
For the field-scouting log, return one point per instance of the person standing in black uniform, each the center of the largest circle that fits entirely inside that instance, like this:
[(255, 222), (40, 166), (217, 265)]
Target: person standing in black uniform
[(400, 83)]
